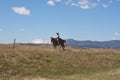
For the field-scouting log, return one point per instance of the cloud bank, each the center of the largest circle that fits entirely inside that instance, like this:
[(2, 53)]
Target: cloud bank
[(40, 41), (21, 10), (83, 4)]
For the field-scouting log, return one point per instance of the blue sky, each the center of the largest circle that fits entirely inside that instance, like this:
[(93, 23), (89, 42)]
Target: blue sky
[(34, 20)]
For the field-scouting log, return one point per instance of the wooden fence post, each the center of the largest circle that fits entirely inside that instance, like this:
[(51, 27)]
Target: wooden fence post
[(14, 42)]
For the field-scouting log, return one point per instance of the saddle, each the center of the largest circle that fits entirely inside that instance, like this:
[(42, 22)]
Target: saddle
[(58, 41)]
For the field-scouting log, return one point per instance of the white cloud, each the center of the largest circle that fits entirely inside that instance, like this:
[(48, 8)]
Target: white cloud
[(41, 41), (116, 35), (51, 3), (84, 4), (21, 10)]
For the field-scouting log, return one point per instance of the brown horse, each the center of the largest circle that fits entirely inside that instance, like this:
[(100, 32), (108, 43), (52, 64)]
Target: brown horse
[(55, 43)]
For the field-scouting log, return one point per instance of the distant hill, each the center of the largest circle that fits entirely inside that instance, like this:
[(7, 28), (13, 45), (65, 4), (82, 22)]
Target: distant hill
[(114, 44)]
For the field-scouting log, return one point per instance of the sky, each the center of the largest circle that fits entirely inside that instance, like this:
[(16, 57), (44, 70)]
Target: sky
[(38, 20)]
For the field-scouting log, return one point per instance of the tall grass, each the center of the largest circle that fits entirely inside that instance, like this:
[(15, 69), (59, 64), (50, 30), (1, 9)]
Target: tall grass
[(27, 62)]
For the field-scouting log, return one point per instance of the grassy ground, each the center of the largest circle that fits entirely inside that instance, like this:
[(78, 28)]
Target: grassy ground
[(44, 63)]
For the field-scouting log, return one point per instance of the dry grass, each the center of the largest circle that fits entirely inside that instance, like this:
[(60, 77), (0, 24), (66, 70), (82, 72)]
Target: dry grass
[(44, 63)]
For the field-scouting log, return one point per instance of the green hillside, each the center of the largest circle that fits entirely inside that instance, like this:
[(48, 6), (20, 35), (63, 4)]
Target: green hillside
[(43, 63)]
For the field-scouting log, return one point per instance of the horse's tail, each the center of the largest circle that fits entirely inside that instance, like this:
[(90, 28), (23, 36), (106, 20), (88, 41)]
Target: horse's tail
[(65, 41)]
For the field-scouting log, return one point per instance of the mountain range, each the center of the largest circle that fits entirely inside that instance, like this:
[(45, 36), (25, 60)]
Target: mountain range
[(114, 44)]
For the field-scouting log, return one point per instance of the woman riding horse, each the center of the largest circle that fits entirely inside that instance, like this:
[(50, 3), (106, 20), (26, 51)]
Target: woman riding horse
[(55, 43)]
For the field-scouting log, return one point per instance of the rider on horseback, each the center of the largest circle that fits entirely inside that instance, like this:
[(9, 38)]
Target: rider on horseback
[(57, 41), (58, 37)]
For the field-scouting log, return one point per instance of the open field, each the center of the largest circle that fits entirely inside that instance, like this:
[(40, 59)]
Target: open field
[(43, 63)]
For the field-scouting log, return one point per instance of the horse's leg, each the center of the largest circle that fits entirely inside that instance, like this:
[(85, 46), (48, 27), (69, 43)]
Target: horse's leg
[(59, 46), (63, 47)]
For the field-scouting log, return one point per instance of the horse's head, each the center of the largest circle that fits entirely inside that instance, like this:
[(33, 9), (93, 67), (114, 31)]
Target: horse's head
[(52, 39)]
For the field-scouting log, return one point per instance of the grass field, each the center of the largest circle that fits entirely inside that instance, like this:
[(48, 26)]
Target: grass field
[(43, 63)]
